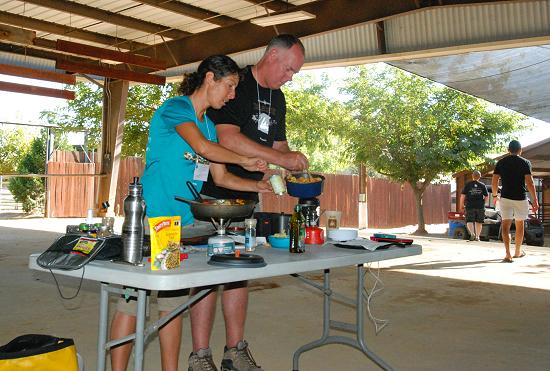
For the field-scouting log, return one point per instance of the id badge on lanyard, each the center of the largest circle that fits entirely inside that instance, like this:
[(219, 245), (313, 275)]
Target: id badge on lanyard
[(201, 171)]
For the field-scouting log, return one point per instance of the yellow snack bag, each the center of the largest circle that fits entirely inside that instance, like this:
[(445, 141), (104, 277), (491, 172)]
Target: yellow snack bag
[(165, 242)]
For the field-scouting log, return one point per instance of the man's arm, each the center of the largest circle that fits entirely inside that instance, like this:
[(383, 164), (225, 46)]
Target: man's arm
[(230, 137), (494, 184), (461, 202), (529, 182)]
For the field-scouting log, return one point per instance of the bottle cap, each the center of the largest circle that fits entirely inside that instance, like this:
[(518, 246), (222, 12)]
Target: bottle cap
[(250, 222)]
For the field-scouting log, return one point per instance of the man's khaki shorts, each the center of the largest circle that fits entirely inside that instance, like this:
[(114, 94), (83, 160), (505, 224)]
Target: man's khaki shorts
[(166, 300), (514, 209)]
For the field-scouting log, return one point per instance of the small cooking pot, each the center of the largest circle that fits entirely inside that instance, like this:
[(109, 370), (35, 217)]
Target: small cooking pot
[(305, 190), (314, 236)]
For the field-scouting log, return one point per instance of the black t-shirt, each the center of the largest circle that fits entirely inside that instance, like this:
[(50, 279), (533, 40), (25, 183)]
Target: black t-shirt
[(251, 102), (475, 193), (512, 170)]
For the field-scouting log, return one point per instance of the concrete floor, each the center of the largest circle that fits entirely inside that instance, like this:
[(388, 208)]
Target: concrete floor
[(455, 307)]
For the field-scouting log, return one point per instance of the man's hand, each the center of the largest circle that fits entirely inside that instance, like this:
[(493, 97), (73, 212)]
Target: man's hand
[(254, 164), (535, 205), (295, 160)]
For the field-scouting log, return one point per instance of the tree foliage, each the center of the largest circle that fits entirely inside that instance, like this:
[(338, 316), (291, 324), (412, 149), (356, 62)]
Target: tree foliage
[(314, 123), (415, 131), (13, 144), (85, 113), (30, 191)]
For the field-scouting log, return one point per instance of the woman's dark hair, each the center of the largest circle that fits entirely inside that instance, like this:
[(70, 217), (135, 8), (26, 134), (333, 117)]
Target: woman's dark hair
[(219, 65)]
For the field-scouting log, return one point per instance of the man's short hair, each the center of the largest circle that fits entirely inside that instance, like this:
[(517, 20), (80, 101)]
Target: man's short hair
[(514, 146), (476, 174), (285, 41)]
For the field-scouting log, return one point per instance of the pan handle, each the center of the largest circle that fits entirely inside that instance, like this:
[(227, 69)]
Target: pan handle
[(178, 198), (194, 191)]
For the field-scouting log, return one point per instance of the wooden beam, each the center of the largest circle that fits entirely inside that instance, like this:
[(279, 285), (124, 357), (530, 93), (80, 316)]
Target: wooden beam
[(16, 35), (101, 53), (192, 11), (8, 69), (36, 90), (110, 72), (243, 36), (109, 17), (57, 29)]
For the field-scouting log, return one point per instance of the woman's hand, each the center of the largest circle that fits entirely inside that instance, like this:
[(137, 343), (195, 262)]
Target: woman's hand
[(254, 164), (264, 186)]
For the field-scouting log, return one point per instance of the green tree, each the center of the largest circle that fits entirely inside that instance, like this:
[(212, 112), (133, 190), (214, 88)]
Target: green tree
[(85, 113), (314, 123), (13, 144), (31, 191), (414, 131)]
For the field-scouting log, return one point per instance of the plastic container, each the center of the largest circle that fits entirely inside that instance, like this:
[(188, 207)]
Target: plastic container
[(279, 242), (453, 225), (332, 219), (277, 184), (250, 234)]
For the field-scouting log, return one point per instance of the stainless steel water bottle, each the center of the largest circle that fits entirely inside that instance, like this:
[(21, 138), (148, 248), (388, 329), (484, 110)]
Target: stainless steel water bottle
[(132, 228)]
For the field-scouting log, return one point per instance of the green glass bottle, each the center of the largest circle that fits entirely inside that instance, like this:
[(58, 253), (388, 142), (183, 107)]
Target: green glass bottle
[(297, 231)]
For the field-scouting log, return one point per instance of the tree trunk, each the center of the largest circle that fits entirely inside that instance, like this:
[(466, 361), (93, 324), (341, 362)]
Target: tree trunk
[(418, 193)]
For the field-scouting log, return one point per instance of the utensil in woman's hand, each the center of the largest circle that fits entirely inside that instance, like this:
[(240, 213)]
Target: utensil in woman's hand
[(194, 191)]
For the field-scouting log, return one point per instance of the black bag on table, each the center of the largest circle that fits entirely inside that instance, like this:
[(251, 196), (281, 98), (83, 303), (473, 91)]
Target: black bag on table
[(73, 251)]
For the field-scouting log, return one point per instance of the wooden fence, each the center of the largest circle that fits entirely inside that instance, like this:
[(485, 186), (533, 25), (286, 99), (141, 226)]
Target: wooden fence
[(340, 192), (73, 196), (389, 205)]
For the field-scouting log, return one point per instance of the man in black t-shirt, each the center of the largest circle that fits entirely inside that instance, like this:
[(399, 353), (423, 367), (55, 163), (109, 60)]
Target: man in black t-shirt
[(252, 123), (515, 174), (473, 199)]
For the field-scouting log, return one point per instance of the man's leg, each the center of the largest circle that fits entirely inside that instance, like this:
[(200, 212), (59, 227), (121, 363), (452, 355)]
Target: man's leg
[(202, 319), (170, 339), (123, 324), (470, 226), (506, 223), (479, 226), (234, 305), (520, 231)]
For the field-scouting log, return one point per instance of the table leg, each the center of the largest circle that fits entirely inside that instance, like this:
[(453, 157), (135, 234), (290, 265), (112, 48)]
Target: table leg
[(102, 331), (357, 328), (140, 330)]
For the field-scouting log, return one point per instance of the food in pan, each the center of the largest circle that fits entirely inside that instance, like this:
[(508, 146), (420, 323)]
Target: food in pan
[(235, 202), (303, 179)]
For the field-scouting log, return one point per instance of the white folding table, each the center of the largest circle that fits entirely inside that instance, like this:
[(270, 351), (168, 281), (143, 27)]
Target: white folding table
[(195, 272)]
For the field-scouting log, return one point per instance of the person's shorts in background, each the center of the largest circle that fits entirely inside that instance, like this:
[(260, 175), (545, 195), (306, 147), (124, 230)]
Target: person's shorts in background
[(514, 209), (167, 301), (475, 215)]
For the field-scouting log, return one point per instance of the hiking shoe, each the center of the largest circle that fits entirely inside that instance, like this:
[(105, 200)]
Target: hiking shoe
[(239, 359), (201, 361)]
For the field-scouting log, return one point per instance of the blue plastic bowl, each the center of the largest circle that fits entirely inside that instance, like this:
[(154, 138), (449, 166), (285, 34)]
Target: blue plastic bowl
[(305, 190), (279, 242)]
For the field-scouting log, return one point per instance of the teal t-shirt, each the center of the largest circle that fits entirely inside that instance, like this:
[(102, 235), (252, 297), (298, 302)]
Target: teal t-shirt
[(166, 167)]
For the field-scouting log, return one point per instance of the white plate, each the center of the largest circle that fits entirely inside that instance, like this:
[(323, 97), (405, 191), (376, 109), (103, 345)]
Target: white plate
[(342, 234)]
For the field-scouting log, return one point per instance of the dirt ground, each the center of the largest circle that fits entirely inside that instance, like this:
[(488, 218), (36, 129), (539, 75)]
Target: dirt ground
[(455, 307)]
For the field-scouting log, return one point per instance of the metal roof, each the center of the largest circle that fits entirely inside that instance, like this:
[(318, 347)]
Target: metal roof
[(495, 49)]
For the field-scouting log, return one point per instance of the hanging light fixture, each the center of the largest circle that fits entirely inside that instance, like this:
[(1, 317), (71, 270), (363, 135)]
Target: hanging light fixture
[(271, 20)]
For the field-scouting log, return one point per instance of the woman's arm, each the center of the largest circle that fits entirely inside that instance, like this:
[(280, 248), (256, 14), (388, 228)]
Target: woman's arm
[(213, 151), (225, 179)]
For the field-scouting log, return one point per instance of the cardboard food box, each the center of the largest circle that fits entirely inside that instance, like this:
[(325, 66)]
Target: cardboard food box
[(165, 242)]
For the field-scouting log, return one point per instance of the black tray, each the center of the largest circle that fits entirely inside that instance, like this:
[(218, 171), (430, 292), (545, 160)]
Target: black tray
[(243, 261)]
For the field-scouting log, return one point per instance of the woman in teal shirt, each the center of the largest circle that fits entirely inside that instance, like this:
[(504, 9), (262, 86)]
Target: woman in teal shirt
[(182, 146)]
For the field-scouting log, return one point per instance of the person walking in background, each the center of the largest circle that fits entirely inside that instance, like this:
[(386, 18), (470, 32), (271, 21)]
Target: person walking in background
[(473, 198), (515, 174)]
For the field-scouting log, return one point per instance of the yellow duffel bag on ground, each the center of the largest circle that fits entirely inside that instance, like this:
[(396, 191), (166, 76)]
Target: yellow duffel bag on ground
[(38, 353)]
